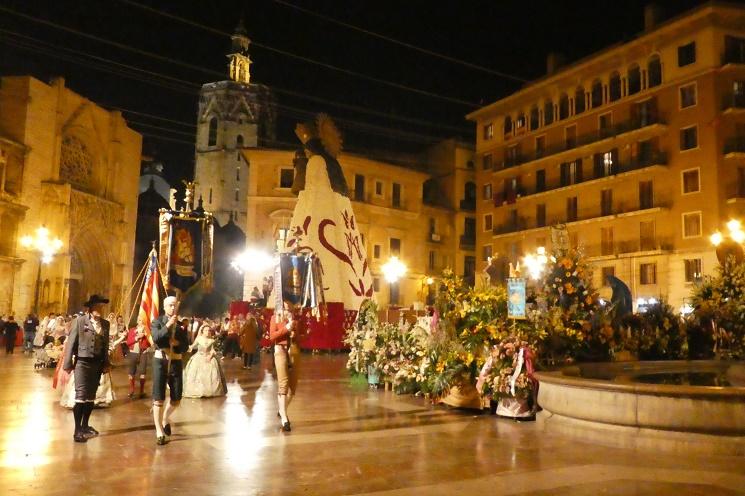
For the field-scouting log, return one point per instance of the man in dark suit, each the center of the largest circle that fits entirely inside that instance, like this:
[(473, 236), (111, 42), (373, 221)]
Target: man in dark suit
[(89, 345), (10, 329), (171, 340)]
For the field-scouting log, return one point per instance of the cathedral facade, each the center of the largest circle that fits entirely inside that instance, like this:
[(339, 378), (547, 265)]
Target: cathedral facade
[(71, 168)]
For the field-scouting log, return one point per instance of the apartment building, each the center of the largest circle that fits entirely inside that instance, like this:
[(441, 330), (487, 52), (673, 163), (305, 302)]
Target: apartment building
[(638, 149)]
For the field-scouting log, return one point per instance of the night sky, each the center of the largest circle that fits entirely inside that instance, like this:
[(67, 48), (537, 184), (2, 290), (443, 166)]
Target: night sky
[(509, 39)]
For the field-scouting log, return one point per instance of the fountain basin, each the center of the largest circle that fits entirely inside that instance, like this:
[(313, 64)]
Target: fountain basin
[(698, 405)]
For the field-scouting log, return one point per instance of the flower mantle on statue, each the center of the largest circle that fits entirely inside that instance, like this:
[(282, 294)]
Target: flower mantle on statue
[(323, 220)]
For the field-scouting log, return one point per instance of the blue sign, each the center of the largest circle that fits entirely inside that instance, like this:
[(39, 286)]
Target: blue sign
[(516, 298)]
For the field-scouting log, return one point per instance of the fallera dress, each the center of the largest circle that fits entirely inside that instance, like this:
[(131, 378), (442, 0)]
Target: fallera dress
[(203, 374)]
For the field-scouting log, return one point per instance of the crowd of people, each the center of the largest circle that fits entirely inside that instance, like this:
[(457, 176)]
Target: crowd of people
[(183, 355)]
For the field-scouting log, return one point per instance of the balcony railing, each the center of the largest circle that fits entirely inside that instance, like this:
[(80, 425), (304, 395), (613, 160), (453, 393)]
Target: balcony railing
[(733, 101), (629, 246), (654, 158), (467, 241), (468, 205), (733, 57), (525, 223), (586, 139), (734, 145)]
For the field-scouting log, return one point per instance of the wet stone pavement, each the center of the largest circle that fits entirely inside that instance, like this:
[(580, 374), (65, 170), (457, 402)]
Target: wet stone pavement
[(345, 439)]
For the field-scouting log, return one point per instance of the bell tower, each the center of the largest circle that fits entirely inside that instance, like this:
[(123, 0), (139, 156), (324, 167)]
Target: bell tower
[(232, 115), (239, 66)]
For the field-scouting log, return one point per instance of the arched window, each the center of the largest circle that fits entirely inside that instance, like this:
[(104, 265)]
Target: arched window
[(614, 87), (507, 125), (548, 112), (535, 120), (596, 95), (239, 141), (212, 140), (563, 106), (579, 100), (520, 122), (634, 77), (654, 71)]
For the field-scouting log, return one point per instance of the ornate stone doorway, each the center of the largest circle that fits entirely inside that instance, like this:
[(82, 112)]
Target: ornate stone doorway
[(90, 269)]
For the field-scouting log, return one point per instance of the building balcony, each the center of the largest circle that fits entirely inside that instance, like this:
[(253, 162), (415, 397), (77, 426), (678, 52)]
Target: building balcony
[(523, 224), (633, 166), (468, 241), (616, 131), (626, 248), (734, 147), (468, 204), (733, 103), (734, 57)]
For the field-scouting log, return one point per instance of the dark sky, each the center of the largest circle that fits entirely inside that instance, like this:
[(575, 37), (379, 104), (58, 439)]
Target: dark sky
[(511, 37)]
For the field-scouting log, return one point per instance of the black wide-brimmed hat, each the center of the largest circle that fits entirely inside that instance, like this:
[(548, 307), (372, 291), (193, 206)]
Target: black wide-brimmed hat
[(95, 300)]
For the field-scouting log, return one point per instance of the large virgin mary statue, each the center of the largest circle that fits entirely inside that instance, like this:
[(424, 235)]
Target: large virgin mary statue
[(323, 220)]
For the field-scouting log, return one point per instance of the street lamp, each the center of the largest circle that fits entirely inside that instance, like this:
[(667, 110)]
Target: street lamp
[(254, 261), (536, 263), (47, 247), (729, 244), (393, 270)]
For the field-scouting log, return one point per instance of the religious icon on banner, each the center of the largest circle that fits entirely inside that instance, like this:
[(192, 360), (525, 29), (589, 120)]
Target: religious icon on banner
[(516, 304), (186, 249)]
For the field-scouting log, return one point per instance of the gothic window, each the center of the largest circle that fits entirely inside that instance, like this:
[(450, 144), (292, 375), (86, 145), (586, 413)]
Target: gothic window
[(239, 141), (212, 132), (76, 163)]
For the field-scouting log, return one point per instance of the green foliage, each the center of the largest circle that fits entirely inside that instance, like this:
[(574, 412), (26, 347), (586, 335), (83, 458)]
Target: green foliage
[(721, 300)]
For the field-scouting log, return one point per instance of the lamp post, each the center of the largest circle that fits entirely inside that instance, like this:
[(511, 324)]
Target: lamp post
[(536, 262), (253, 262), (393, 270), (46, 247), (729, 244)]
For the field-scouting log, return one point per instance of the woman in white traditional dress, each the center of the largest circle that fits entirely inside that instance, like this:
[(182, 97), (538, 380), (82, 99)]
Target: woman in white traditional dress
[(323, 220), (203, 375)]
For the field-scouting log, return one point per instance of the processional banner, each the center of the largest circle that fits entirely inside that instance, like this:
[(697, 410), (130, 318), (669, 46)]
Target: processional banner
[(186, 242), (516, 298)]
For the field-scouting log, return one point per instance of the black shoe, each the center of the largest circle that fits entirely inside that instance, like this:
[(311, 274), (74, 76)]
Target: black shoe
[(167, 429), (89, 431), (131, 395), (161, 441), (286, 427), (142, 395), (79, 437)]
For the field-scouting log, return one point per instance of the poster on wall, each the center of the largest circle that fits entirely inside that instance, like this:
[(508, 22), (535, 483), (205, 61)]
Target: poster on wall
[(186, 249), (516, 308)]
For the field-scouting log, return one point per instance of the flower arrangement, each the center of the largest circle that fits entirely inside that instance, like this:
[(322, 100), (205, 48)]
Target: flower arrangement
[(568, 319), (506, 372), (656, 334), (365, 340)]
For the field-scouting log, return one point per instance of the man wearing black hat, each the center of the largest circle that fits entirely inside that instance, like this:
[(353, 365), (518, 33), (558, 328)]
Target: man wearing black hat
[(89, 343)]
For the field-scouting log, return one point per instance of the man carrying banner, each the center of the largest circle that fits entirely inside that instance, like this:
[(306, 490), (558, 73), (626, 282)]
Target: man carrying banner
[(170, 340)]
